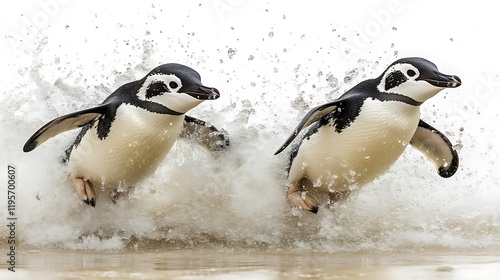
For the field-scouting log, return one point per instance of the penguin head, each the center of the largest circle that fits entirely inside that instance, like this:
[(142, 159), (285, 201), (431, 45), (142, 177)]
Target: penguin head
[(416, 78), (176, 87)]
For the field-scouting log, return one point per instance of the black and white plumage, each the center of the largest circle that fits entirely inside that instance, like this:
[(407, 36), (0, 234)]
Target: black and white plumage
[(124, 139), (357, 137)]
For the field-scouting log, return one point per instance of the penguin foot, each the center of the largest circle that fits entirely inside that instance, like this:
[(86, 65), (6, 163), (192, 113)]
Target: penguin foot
[(85, 191), (302, 200)]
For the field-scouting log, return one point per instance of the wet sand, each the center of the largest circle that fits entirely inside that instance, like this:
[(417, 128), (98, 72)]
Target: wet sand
[(248, 264)]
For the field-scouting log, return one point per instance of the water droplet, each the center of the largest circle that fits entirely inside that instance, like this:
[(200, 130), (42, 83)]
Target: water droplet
[(231, 52), (350, 75), (332, 81)]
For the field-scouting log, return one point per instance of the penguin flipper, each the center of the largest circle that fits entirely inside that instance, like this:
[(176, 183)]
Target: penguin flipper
[(204, 134), (436, 147), (62, 124), (313, 115)]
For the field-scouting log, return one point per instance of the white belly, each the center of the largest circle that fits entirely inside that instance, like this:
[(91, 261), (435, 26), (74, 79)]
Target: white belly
[(361, 152), (137, 143)]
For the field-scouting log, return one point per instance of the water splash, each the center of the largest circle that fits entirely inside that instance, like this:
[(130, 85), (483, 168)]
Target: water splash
[(236, 198)]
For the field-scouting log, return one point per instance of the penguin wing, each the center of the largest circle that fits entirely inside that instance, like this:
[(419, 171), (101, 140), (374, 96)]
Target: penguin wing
[(436, 147), (312, 116), (62, 124), (204, 134)]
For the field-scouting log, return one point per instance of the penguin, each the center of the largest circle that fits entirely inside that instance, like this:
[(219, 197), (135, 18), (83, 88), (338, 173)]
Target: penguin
[(126, 137), (351, 141)]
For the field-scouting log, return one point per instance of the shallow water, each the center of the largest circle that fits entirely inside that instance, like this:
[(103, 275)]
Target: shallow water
[(250, 264), (225, 214)]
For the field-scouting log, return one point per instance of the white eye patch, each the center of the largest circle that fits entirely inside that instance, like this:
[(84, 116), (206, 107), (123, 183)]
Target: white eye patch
[(397, 75), (157, 85)]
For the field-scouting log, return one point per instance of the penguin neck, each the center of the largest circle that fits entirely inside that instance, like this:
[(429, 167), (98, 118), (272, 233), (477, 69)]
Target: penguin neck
[(179, 102), (369, 88), (389, 96), (419, 91)]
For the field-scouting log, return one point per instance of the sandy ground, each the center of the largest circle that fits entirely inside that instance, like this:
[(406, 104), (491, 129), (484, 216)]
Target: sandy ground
[(242, 264)]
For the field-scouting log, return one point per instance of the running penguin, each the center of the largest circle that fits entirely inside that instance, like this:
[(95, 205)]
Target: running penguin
[(354, 139), (124, 139)]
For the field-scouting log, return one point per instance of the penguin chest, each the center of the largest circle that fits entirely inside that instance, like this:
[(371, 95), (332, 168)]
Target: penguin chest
[(360, 152), (137, 142)]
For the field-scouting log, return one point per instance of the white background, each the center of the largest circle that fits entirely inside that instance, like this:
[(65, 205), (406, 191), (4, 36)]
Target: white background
[(62, 56)]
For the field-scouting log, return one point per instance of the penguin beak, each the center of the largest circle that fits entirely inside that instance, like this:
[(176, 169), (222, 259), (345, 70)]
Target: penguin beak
[(442, 80), (203, 93)]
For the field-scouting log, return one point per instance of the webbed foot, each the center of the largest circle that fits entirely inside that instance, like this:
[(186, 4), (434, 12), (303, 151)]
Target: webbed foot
[(298, 197), (85, 191)]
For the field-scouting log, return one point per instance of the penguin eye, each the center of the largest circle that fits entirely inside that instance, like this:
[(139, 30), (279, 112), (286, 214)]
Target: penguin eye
[(173, 85), (411, 73)]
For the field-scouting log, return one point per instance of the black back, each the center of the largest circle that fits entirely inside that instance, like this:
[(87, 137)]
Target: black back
[(348, 107), (127, 94)]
